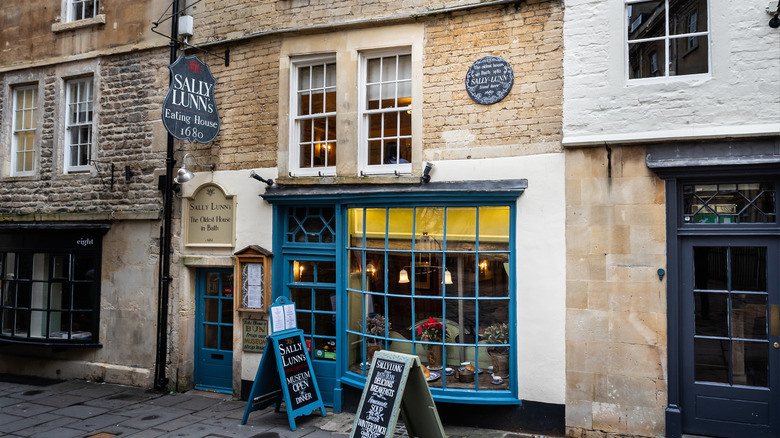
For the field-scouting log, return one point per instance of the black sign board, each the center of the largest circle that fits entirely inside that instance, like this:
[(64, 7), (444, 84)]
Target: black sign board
[(396, 386), (285, 374), (489, 80), (381, 398), (189, 109), (297, 373)]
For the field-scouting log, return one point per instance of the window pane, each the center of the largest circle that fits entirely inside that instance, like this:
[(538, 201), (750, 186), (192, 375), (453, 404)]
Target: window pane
[(712, 360), (373, 70), (405, 67), (688, 56), (494, 228), (462, 278), (711, 314), (748, 316), (709, 267), (646, 20), (226, 343), (375, 152), (646, 59), (210, 336), (748, 269), (687, 17), (751, 363)]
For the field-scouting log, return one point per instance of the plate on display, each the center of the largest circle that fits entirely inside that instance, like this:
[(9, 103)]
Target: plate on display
[(479, 371), (434, 376)]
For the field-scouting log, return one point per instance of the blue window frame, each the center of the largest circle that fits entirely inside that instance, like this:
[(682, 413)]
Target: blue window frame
[(456, 247)]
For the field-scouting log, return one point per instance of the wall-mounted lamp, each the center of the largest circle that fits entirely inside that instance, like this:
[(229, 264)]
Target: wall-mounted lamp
[(661, 273), (426, 176), (268, 181), (773, 8), (184, 175)]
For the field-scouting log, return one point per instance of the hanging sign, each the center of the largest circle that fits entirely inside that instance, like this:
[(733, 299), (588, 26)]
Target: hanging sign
[(189, 109), (396, 386), (489, 80), (285, 374)]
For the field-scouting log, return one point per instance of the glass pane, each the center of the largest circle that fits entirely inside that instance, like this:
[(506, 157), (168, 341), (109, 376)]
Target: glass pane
[(23, 294), (748, 269), (748, 316), (8, 322), (305, 156), (751, 363), (429, 227), (428, 275), (709, 267), (304, 78), (325, 324), (304, 102), (494, 228), (646, 20), (646, 59), (687, 17), (82, 325), (301, 298), (227, 285), (330, 75), (711, 314), (374, 152), (227, 312), (59, 325), (326, 272), (388, 96), (210, 336), (405, 67), (390, 128), (325, 299), (226, 343), (303, 321), (375, 126), (211, 310), (373, 71), (399, 273), (22, 322), (318, 76), (375, 271), (317, 103), (388, 69), (462, 229), (712, 360), (493, 275), (462, 320), (82, 296), (25, 269), (405, 147), (462, 278), (376, 223), (303, 271), (688, 55), (405, 126), (372, 97), (212, 284)]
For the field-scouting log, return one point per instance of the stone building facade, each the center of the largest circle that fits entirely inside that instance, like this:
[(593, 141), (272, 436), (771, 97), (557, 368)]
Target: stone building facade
[(81, 149), (671, 151)]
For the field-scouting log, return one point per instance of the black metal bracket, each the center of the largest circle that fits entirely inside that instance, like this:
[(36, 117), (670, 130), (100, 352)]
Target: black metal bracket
[(100, 174), (161, 20)]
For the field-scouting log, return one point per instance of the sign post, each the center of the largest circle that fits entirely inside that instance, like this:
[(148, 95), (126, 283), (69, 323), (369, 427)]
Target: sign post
[(285, 372), (396, 386)]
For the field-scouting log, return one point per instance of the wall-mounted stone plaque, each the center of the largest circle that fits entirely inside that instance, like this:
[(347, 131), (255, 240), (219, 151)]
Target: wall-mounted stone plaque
[(210, 218), (489, 80)]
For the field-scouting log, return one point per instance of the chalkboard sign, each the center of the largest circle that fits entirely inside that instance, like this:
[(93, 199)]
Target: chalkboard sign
[(381, 397), (285, 374), (396, 386), (297, 373), (489, 80)]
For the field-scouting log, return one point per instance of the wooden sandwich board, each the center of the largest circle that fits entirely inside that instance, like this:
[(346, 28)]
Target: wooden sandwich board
[(396, 385), (285, 374)]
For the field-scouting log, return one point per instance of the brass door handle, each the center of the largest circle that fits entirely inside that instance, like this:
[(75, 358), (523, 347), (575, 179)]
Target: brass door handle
[(777, 344)]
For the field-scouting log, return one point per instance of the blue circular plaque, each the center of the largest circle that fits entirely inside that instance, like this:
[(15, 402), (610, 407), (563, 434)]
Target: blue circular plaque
[(489, 80)]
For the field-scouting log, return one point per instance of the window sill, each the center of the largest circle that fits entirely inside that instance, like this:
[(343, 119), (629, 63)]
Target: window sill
[(80, 24), (48, 342)]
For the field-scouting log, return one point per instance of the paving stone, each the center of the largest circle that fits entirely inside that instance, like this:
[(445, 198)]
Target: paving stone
[(26, 409), (98, 422), (60, 432), (38, 429), (62, 400), (80, 411), (159, 416)]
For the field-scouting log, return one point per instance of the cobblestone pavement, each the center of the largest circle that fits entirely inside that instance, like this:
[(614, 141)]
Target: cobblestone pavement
[(64, 409)]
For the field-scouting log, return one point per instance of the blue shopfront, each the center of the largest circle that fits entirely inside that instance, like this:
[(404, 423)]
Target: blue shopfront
[(425, 269)]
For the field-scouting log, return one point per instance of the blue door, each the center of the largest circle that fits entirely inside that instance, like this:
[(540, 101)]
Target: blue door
[(214, 330)]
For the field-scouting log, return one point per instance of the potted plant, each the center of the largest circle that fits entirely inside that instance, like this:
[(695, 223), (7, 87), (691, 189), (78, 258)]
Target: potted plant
[(433, 331), (498, 333), (375, 326)]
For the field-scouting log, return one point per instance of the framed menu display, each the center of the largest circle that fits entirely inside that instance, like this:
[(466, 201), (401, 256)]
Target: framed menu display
[(253, 279)]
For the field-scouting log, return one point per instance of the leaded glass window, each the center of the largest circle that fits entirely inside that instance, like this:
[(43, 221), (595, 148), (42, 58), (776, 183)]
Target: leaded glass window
[(729, 203), (311, 224)]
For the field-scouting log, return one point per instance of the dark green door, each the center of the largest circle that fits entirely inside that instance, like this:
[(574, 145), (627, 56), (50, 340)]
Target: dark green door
[(730, 331), (214, 330)]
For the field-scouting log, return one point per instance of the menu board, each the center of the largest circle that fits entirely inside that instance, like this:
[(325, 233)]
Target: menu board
[(297, 372), (381, 397), (396, 387)]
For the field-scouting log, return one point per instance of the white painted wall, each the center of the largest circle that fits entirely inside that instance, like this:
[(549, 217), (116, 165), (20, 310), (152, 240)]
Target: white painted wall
[(541, 265), (740, 96)]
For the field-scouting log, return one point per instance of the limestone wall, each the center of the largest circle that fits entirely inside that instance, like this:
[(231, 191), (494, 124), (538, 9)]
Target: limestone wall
[(615, 302)]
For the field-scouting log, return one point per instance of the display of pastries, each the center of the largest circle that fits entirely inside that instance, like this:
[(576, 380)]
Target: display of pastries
[(426, 372)]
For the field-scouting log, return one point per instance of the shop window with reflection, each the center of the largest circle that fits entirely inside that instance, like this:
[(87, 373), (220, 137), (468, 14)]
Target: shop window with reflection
[(313, 290), (433, 282), (49, 297), (667, 38)]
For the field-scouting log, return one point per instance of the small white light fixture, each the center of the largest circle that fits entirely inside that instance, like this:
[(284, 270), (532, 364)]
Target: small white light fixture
[(403, 276), (447, 277), (183, 175)]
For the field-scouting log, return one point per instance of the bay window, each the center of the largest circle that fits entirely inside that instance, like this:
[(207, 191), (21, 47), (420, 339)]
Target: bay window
[(435, 282)]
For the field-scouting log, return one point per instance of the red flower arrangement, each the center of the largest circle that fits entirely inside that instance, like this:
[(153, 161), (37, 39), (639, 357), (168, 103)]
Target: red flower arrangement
[(431, 330)]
